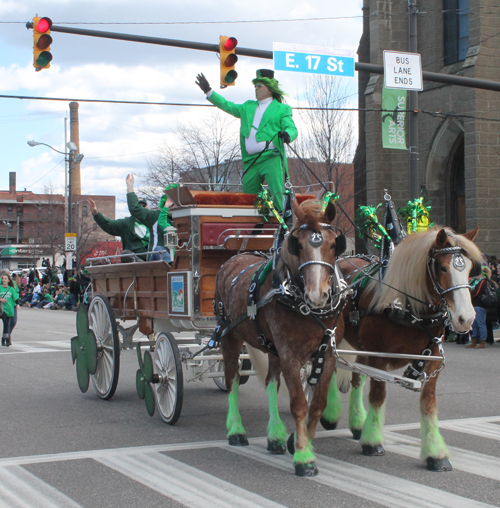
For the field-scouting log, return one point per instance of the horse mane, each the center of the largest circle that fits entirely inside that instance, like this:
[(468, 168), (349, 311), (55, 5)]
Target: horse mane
[(407, 271)]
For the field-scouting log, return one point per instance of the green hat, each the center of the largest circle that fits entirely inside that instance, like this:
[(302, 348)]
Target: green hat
[(266, 77), (143, 202)]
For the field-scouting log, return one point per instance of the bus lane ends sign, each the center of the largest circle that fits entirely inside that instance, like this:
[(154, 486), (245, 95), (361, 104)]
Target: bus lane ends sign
[(403, 71)]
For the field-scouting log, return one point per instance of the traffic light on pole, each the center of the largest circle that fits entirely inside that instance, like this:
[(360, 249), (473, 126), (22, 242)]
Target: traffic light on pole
[(228, 58), (41, 43)]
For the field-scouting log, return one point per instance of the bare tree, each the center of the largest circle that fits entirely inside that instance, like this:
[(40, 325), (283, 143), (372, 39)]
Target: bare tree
[(208, 155), (327, 140)]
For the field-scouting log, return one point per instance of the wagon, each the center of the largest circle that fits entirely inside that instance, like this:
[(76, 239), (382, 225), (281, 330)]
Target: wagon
[(170, 304)]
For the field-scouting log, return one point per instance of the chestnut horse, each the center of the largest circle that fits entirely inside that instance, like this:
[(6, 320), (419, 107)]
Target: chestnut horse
[(307, 273), (424, 288)]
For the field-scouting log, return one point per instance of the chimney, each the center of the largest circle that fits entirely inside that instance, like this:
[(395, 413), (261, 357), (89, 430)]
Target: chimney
[(76, 186), (12, 182)]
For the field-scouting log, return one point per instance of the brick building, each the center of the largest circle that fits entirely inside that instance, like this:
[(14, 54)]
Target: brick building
[(459, 145), (32, 226)]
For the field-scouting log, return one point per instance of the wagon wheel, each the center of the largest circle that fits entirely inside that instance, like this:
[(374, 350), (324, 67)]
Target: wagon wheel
[(169, 388), (103, 324), (218, 366)]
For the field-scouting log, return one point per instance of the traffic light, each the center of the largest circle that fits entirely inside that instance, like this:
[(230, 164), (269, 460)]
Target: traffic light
[(41, 43), (228, 58)]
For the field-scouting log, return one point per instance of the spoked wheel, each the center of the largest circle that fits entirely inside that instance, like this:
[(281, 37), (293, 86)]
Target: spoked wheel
[(169, 390), (102, 323), (218, 366)]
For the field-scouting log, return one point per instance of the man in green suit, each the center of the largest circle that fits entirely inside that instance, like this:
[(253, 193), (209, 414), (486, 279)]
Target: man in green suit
[(266, 125)]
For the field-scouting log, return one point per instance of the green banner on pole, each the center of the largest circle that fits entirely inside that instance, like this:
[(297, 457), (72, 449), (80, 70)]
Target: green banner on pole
[(393, 119)]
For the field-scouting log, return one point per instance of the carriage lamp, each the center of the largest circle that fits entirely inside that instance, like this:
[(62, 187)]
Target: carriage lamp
[(171, 239)]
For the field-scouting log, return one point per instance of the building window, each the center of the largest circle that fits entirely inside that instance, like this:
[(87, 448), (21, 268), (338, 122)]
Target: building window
[(19, 209), (456, 30), (9, 209), (84, 210)]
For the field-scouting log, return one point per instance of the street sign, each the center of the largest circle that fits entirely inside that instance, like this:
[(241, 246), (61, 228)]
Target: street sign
[(70, 242), (69, 261), (313, 59), (403, 71)]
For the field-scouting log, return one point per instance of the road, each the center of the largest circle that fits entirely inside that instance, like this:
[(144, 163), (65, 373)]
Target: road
[(62, 448)]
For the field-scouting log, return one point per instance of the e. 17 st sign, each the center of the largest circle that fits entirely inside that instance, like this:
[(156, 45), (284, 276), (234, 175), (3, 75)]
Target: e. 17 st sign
[(313, 59)]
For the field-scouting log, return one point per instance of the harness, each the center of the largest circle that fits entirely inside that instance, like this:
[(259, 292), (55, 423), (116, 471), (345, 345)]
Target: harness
[(289, 293)]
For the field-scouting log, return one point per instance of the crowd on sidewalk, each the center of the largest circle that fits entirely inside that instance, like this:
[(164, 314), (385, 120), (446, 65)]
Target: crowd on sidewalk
[(485, 293)]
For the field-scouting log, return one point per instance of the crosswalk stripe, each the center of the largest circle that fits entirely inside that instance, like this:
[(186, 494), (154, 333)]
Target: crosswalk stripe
[(462, 460), (184, 483), (372, 485), (42, 346), (480, 429), (21, 489)]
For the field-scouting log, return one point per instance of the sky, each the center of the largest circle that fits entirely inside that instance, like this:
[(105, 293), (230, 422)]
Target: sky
[(118, 139)]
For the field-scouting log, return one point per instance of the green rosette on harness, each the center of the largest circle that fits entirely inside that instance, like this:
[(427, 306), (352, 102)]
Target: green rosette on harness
[(369, 225), (416, 214)]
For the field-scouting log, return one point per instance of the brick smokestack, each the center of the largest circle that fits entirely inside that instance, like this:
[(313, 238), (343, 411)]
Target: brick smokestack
[(12, 182), (76, 182)]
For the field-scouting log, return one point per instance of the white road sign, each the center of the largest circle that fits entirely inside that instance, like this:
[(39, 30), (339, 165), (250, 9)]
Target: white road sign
[(403, 70), (70, 242)]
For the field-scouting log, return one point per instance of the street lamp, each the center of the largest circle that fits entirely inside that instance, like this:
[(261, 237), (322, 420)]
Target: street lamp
[(73, 159)]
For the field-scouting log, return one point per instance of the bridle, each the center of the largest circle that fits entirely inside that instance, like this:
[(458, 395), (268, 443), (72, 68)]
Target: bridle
[(316, 240), (459, 264)]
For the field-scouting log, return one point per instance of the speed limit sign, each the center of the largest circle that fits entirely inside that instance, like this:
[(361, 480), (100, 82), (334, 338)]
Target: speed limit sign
[(70, 241)]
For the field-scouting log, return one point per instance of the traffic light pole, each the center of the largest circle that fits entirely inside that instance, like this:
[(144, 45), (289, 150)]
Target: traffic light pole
[(436, 77)]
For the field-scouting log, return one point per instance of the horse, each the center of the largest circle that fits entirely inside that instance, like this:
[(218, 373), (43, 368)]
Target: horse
[(293, 323), (425, 288)]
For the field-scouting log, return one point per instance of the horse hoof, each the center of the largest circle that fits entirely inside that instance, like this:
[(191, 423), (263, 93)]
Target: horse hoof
[(290, 444), (327, 425), (276, 446), (373, 450), (238, 440), (308, 469), (438, 465), (356, 434)]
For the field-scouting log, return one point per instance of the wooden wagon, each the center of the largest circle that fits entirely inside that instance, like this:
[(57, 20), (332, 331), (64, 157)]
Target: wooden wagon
[(172, 304)]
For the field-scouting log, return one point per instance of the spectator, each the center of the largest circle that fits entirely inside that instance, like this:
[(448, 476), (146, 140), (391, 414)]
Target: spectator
[(75, 290), (47, 298), (8, 297)]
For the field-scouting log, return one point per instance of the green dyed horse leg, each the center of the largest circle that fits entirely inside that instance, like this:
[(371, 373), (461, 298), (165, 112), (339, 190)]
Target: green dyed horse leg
[(276, 430), (331, 414), (304, 461), (236, 433), (357, 411), (433, 448), (372, 435)]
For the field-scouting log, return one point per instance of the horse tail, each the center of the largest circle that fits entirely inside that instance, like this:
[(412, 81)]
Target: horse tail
[(260, 363), (344, 376)]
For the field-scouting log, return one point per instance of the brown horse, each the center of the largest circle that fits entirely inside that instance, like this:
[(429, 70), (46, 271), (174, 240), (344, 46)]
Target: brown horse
[(305, 277), (424, 288)]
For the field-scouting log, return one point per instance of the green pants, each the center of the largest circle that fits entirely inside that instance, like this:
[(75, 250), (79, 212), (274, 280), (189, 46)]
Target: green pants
[(268, 167)]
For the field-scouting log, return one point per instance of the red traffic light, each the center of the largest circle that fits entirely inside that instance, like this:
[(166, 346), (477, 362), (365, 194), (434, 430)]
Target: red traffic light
[(43, 25), (230, 44)]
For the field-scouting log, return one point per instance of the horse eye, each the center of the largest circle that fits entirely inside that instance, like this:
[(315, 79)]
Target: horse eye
[(443, 269)]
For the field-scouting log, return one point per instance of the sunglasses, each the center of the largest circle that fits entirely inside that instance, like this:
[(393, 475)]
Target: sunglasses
[(259, 86)]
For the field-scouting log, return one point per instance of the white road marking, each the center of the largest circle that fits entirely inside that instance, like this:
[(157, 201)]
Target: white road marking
[(184, 483), (41, 346), (375, 487), (21, 489)]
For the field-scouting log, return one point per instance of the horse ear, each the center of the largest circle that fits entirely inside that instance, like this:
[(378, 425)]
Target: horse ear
[(330, 212), (471, 235), (441, 238), (297, 211)]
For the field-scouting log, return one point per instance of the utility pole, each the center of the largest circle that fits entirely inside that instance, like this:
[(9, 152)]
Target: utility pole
[(413, 177)]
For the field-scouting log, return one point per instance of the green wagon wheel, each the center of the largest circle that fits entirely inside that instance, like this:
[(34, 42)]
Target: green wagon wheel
[(168, 386), (102, 323)]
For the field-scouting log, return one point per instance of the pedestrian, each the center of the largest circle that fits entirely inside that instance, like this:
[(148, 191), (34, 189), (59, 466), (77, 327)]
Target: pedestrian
[(480, 288), (75, 290), (8, 298), (266, 125)]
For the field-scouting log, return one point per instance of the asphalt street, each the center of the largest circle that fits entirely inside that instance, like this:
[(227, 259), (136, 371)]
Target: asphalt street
[(62, 448)]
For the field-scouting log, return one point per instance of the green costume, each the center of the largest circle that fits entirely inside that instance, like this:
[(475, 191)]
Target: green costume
[(11, 295), (155, 220), (268, 166), (134, 236)]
